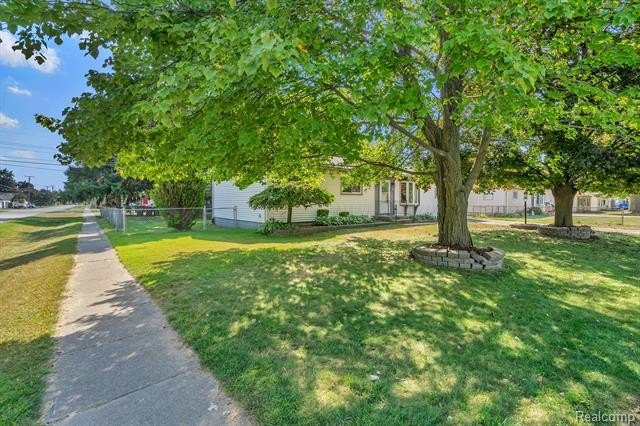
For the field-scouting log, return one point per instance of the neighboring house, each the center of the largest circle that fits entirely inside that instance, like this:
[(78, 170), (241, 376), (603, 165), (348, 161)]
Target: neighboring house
[(5, 199), (390, 198), (593, 202), (506, 201)]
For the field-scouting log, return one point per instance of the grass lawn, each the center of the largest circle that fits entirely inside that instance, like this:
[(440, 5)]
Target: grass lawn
[(294, 327), (596, 220), (35, 260)]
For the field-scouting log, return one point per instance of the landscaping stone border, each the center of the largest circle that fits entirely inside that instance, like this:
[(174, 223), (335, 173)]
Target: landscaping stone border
[(462, 259), (583, 232)]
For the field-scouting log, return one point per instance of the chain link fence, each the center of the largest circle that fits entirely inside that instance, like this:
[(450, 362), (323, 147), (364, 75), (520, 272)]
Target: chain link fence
[(135, 220)]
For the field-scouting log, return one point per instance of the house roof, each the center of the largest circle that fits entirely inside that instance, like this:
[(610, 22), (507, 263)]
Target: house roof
[(6, 196)]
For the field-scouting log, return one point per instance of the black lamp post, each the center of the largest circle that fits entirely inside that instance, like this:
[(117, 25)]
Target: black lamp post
[(525, 208)]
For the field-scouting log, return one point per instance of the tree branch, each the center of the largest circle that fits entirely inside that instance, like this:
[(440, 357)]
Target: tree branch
[(395, 125), (480, 157)]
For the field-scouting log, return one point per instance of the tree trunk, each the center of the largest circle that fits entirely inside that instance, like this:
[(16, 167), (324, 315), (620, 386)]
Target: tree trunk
[(563, 196), (289, 214), (453, 201), (634, 204)]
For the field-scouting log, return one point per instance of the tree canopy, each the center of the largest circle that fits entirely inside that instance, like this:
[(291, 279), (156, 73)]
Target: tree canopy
[(7, 181), (103, 184), (248, 89)]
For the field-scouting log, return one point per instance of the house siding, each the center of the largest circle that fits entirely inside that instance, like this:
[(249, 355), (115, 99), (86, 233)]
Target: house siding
[(227, 195), (361, 204), (428, 202)]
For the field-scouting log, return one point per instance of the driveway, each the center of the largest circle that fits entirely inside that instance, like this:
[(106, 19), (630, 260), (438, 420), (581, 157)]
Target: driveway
[(12, 214)]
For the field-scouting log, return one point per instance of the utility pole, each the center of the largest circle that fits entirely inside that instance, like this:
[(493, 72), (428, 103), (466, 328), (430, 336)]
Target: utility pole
[(29, 187)]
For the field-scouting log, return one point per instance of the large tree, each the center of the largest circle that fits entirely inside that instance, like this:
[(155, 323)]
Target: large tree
[(597, 150), (246, 89), (103, 184), (7, 181)]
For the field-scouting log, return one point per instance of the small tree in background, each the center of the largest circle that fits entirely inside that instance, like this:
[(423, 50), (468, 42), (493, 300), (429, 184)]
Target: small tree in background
[(289, 196), (183, 198)]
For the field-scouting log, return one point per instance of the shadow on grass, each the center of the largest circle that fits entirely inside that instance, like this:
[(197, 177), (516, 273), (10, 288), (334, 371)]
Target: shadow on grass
[(22, 377), (62, 230), (295, 334), (139, 235)]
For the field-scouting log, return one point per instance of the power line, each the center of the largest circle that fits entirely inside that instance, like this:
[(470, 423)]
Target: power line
[(18, 142), (30, 162), (25, 159), (31, 167), (17, 147)]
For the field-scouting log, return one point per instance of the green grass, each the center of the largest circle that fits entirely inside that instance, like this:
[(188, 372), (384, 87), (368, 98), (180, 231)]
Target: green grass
[(155, 224), (35, 260), (294, 327), (596, 220)]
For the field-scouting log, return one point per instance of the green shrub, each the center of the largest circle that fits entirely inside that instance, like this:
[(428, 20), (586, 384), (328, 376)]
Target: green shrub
[(183, 198), (272, 225), (322, 213), (343, 220), (424, 217), (343, 214)]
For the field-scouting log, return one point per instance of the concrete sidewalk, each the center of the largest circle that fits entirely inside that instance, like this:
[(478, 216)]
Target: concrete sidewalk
[(118, 362)]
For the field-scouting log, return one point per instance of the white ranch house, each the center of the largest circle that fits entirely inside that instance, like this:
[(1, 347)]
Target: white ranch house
[(389, 198)]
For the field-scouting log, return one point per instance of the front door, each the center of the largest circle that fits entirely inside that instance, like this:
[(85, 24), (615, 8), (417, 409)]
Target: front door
[(384, 198)]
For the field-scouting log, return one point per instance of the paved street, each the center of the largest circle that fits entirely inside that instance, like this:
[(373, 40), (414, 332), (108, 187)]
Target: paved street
[(118, 362), (11, 214)]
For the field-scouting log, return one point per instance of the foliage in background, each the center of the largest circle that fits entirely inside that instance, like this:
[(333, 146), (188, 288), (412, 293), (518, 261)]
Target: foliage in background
[(246, 89), (7, 181), (272, 225), (348, 219), (598, 155), (183, 198), (290, 195), (104, 184)]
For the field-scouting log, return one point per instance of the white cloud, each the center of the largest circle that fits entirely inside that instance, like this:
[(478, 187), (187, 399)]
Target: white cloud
[(16, 59), (16, 90), (8, 122)]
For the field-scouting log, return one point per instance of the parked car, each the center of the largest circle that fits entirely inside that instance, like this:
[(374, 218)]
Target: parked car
[(31, 206), (20, 204)]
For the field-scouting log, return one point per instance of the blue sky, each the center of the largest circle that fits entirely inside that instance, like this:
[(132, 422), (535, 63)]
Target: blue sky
[(27, 89)]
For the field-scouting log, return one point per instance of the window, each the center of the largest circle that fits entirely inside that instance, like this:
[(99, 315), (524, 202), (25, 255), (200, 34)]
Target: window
[(488, 196), (350, 189), (515, 195), (408, 193)]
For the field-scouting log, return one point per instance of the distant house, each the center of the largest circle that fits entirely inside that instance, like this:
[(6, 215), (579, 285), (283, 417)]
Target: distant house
[(391, 198), (506, 201), (5, 199), (586, 202)]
